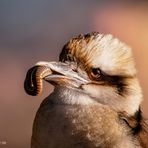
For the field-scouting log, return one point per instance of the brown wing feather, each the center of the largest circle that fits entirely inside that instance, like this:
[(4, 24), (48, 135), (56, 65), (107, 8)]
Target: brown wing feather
[(143, 134)]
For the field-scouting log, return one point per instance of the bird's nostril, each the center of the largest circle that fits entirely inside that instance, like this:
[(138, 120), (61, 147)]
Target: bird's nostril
[(75, 69)]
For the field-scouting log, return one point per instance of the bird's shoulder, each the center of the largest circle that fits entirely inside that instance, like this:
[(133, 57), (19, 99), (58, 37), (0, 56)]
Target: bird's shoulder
[(143, 134)]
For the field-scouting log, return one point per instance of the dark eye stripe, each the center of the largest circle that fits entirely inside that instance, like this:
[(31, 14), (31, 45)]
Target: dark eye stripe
[(116, 81), (119, 82)]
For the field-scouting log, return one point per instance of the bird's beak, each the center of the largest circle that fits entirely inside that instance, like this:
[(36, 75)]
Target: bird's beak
[(56, 73), (62, 74)]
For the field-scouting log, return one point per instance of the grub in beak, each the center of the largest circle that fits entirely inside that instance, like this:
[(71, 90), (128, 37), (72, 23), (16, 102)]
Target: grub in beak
[(56, 73)]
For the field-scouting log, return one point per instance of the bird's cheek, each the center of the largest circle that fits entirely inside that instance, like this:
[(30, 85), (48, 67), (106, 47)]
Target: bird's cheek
[(92, 90)]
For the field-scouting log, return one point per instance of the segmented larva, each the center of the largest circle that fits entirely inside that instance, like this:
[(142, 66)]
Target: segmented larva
[(33, 84)]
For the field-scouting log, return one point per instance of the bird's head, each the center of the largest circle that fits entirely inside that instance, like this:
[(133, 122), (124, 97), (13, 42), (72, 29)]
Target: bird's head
[(95, 64)]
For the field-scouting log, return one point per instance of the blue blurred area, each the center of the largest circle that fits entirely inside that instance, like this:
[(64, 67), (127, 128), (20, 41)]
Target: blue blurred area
[(36, 24)]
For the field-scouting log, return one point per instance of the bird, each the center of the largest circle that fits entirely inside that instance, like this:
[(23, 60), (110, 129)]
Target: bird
[(96, 101)]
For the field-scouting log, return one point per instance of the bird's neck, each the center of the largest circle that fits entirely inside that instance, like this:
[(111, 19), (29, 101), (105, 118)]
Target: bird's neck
[(70, 96)]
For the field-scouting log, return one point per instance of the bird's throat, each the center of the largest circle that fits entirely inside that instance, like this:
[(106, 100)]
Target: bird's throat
[(70, 96)]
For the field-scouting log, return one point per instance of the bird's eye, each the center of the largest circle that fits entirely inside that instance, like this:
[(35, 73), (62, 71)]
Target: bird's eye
[(95, 73)]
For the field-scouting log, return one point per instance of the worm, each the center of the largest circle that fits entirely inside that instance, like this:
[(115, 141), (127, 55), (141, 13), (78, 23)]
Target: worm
[(33, 83)]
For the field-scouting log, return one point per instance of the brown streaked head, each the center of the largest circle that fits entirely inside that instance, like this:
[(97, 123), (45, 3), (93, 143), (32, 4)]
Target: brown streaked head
[(100, 66)]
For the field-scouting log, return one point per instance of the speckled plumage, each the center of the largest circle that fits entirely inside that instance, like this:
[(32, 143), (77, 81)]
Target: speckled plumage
[(79, 126)]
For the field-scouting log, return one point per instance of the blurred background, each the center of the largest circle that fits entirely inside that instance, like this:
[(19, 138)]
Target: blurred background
[(34, 30)]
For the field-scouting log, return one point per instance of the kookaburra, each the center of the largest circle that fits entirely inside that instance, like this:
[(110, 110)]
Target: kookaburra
[(96, 98)]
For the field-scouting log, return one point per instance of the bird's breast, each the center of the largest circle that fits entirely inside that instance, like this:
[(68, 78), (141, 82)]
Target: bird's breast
[(59, 124)]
